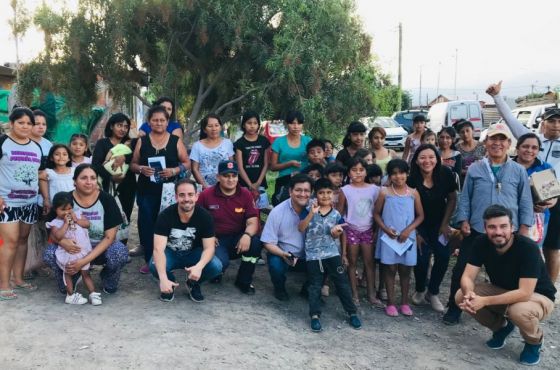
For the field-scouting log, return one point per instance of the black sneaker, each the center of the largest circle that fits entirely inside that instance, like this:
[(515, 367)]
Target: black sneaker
[(248, 289), (195, 293), (167, 297), (355, 321), (316, 324), (281, 295), (498, 339), (452, 316)]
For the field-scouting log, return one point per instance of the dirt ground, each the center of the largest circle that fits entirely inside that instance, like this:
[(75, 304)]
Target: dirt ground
[(134, 330)]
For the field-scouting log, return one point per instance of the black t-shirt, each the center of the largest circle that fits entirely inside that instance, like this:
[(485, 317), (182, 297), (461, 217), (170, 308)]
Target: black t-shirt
[(253, 153), (344, 157), (103, 215), (183, 237), (434, 200), (522, 260)]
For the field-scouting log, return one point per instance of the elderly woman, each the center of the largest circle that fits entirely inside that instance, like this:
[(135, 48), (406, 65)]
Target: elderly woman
[(20, 159), (105, 218), (158, 143)]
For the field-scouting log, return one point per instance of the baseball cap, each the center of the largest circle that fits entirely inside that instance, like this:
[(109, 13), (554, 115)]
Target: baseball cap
[(551, 112), (498, 129), (227, 167)]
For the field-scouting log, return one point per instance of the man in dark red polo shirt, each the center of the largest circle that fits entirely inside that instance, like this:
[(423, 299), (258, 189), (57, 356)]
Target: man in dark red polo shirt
[(236, 223)]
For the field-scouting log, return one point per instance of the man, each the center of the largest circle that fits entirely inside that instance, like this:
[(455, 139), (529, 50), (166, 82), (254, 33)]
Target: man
[(495, 179), (184, 238), (520, 292), (236, 220), (550, 152), (281, 237)]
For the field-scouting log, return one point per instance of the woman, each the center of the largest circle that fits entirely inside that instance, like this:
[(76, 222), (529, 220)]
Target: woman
[(470, 149), (352, 142), (157, 144), (116, 132), (288, 155), (450, 157), (173, 127), (437, 188), (105, 218), (376, 138), (20, 162), (528, 147), (209, 151)]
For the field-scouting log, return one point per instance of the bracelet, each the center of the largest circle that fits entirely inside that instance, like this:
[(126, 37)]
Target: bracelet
[(249, 235), (182, 168)]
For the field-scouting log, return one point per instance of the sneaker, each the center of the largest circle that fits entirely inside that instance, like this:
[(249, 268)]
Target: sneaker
[(434, 301), (248, 289), (498, 340), (95, 299), (75, 298), (144, 270), (452, 316), (325, 290), (530, 354), (281, 295), (316, 324), (195, 294), (355, 321), (167, 297), (418, 298)]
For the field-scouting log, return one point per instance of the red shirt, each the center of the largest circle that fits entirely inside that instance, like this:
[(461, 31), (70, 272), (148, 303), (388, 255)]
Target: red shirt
[(230, 213)]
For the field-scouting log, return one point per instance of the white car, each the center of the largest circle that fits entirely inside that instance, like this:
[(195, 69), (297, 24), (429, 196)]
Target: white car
[(396, 135)]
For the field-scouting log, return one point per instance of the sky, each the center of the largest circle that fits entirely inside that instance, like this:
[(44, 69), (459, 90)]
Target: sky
[(493, 40)]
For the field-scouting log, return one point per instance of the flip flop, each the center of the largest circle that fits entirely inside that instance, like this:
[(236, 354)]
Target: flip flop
[(7, 295), (27, 287)]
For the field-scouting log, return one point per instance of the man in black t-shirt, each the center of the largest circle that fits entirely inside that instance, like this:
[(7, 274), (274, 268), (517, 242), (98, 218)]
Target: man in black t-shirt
[(184, 238), (520, 292)]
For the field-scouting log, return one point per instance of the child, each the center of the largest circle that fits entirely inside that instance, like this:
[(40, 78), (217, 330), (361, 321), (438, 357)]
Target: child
[(58, 175), (316, 152), (428, 137), (329, 150), (356, 204), (398, 212), (335, 173), (251, 154), (65, 224), (353, 140), (374, 174), (382, 155), (79, 149), (315, 171), (367, 155), (323, 229), (413, 140)]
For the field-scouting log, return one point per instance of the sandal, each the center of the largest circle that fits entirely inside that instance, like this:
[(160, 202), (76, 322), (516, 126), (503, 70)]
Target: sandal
[(7, 295), (391, 310), (406, 310), (27, 287), (376, 302)]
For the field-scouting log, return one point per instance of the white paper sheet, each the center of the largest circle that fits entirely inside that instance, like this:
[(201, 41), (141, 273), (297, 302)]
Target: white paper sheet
[(395, 245), (158, 164)]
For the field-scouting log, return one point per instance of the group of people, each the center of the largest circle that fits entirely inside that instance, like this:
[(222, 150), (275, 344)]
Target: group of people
[(328, 212)]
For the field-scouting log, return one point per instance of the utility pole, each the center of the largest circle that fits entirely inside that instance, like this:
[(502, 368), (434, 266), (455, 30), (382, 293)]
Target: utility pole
[(399, 98), (456, 63), (420, 91), (438, 75)]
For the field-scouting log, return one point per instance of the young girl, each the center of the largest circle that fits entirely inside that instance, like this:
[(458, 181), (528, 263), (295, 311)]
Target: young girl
[(367, 155), (398, 212), (429, 137), (356, 204), (352, 142), (413, 140), (251, 154), (450, 157), (65, 224), (382, 155), (58, 175), (79, 150)]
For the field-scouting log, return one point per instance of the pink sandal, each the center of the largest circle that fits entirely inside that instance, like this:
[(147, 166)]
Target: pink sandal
[(406, 310), (391, 310)]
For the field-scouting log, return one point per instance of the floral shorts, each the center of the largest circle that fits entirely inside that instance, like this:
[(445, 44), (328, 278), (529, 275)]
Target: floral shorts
[(355, 237)]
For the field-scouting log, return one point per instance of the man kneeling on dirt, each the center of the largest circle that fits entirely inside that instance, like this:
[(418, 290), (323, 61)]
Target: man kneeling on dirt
[(184, 238), (520, 292)]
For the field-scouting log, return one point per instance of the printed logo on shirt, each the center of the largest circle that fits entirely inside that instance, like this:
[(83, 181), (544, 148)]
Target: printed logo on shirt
[(213, 206), (253, 157), (239, 210), (181, 240)]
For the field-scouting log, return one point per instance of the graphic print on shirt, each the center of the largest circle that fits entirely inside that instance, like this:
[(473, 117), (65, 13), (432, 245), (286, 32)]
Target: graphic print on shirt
[(181, 240), (209, 165), (96, 230), (364, 207), (25, 173), (254, 156)]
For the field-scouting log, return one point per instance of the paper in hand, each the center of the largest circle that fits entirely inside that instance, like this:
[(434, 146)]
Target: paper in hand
[(158, 164)]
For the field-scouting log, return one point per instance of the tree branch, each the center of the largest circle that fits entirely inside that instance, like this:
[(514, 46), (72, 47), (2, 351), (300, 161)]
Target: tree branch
[(233, 101)]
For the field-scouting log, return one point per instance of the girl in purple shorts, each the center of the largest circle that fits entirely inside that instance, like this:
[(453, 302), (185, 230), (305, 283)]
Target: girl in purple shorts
[(356, 202)]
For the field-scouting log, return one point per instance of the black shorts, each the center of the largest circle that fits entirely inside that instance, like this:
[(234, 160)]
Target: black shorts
[(552, 238), (27, 214)]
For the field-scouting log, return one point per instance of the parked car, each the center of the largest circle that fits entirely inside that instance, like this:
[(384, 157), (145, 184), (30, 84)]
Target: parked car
[(396, 135), (446, 114), (405, 117), (530, 116)]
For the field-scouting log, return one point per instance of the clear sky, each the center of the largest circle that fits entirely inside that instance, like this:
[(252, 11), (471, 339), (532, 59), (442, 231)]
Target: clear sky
[(495, 39)]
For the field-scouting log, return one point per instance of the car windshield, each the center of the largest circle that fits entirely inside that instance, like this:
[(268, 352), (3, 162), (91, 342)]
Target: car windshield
[(385, 122)]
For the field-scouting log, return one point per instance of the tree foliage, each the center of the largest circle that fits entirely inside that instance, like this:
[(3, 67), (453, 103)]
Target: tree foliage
[(219, 56)]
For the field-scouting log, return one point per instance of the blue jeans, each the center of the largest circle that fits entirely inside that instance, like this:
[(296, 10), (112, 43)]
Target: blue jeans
[(226, 251), (180, 260), (442, 253), (277, 268), (148, 210)]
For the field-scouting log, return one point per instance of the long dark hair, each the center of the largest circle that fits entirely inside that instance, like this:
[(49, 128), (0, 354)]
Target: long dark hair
[(50, 159), (60, 199), (449, 131), (355, 126), (416, 177), (117, 118), (204, 123)]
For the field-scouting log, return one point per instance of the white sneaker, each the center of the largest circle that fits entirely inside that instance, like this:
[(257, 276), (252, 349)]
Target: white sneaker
[(75, 298), (418, 298), (435, 302), (95, 299)]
